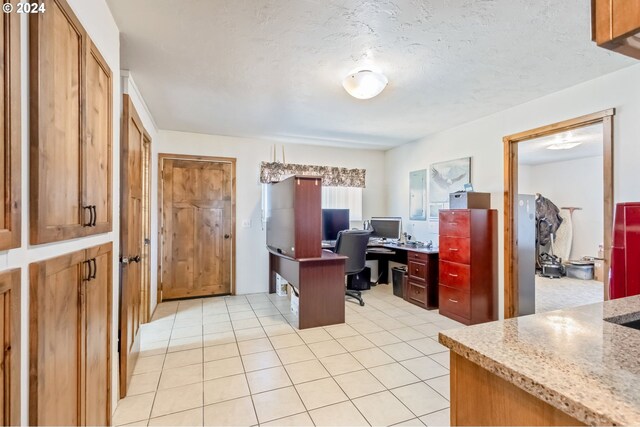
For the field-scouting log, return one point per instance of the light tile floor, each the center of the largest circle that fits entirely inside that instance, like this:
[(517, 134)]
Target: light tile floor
[(241, 361)]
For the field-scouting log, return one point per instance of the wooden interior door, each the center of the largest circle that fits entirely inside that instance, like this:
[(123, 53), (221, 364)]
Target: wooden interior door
[(55, 338), (57, 63), (10, 336), (97, 148), (131, 240), (198, 202), (10, 130), (97, 324)]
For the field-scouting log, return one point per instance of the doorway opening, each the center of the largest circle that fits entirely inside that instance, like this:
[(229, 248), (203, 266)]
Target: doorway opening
[(558, 214)]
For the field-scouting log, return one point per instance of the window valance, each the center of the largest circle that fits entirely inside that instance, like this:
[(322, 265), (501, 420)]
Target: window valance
[(331, 176)]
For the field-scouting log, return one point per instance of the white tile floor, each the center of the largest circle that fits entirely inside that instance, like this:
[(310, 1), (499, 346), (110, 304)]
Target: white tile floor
[(241, 361)]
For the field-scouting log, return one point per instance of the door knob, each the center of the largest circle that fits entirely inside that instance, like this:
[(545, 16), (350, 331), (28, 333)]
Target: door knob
[(226, 236), (135, 258)]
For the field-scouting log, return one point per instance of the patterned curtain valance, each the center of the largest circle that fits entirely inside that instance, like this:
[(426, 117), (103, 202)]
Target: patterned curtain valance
[(331, 176)]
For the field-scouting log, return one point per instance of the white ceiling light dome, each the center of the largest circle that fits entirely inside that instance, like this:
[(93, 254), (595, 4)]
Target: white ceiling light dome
[(365, 84)]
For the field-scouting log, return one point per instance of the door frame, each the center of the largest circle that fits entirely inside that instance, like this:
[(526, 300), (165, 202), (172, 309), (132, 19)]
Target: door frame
[(145, 315), (208, 159), (511, 197)]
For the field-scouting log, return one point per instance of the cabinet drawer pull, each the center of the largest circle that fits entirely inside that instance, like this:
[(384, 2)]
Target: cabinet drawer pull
[(452, 300), (453, 275), (453, 223), (453, 249)]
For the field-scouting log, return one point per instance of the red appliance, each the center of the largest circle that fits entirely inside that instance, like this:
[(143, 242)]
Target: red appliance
[(625, 253)]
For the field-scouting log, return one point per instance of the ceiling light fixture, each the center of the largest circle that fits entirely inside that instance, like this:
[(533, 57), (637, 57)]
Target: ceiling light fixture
[(563, 145), (364, 84)]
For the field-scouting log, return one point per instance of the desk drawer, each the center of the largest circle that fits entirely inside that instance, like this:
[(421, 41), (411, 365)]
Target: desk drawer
[(417, 271), (417, 293), (455, 223), (417, 256), (455, 275), (455, 301), (455, 249)]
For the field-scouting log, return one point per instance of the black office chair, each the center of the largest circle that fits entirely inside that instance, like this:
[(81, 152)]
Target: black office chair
[(353, 244)]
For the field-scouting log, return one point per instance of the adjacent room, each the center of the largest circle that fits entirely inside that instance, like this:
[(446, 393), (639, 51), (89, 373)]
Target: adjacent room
[(320, 213), (560, 218)]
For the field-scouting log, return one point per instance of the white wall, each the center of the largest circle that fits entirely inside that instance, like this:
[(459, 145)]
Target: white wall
[(482, 139), (571, 183), (96, 17), (251, 253)]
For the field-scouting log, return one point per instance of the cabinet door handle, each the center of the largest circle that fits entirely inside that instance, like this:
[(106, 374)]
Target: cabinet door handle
[(95, 269), (452, 300), (87, 268), (88, 224), (94, 216), (453, 275)]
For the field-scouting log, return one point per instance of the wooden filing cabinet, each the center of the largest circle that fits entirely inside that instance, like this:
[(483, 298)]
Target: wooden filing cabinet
[(422, 281), (468, 290)]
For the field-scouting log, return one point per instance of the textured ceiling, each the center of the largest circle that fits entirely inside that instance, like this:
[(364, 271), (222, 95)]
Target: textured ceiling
[(273, 68), (535, 152)]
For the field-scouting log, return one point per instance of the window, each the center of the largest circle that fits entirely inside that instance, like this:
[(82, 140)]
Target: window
[(343, 198)]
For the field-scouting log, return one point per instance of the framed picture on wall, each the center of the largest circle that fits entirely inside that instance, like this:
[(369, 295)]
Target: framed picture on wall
[(446, 178)]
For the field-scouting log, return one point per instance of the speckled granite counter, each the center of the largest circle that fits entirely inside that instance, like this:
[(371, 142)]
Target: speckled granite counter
[(573, 359)]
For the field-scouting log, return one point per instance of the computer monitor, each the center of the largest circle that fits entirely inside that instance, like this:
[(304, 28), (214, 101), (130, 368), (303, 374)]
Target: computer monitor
[(333, 221), (386, 228)]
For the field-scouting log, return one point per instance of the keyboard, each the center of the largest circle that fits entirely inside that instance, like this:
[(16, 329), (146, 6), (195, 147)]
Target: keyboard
[(380, 250)]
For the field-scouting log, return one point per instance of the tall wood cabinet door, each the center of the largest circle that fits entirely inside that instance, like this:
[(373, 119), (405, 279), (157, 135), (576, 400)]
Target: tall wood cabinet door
[(10, 336), (10, 130), (57, 57), (98, 141), (55, 338), (97, 324)]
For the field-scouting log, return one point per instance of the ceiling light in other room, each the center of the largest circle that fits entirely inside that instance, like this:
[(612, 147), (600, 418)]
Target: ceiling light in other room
[(563, 145), (364, 84)]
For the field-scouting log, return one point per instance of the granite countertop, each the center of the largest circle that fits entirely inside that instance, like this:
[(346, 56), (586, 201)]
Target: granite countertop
[(573, 359)]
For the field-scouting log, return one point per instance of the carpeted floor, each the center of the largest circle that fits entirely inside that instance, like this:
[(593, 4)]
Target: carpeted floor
[(554, 294)]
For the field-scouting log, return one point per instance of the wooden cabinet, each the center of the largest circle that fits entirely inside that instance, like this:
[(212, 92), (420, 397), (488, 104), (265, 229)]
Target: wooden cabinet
[(70, 119), (422, 279), (10, 336), (294, 217), (10, 130), (69, 339), (468, 290), (616, 25)]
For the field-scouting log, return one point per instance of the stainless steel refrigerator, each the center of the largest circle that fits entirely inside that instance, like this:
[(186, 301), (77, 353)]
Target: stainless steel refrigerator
[(526, 254)]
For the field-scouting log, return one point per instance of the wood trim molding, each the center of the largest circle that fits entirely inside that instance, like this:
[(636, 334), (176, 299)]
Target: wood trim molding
[(214, 159), (511, 193)]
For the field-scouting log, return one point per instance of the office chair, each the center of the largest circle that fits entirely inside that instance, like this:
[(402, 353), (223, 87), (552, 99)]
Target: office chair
[(353, 244)]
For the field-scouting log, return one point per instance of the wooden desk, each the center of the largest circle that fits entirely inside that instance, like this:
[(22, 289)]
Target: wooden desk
[(320, 282)]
